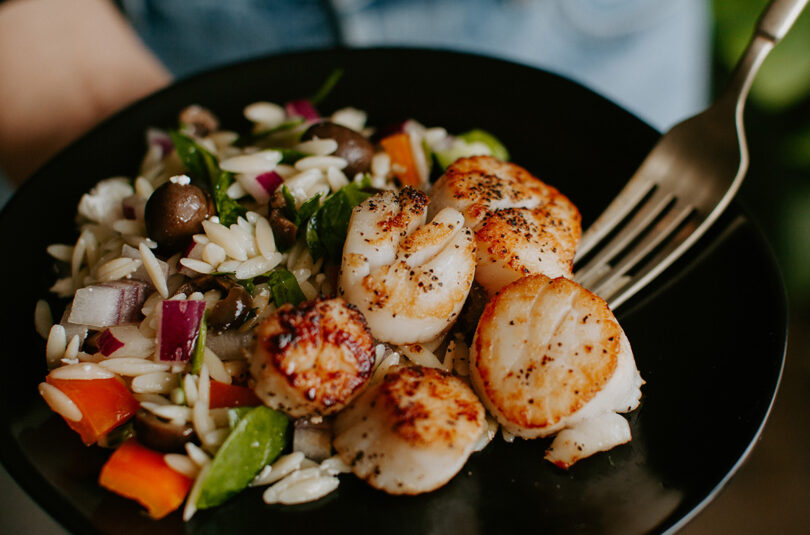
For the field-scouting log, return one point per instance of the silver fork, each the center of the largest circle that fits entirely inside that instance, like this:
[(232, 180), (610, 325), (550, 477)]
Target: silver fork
[(685, 183)]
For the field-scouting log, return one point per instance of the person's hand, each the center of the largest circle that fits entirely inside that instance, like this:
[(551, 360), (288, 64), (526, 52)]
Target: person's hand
[(65, 66)]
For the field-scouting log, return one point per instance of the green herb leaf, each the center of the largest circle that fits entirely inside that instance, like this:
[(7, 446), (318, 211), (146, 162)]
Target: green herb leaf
[(290, 210), (326, 88), (256, 440), (327, 228), (284, 287), (299, 216), (251, 139), (199, 349), (290, 156), (227, 208), (307, 210)]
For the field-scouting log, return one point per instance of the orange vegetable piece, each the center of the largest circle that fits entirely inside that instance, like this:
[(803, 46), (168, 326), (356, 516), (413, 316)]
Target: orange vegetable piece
[(225, 395), (398, 148), (141, 474), (104, 403)]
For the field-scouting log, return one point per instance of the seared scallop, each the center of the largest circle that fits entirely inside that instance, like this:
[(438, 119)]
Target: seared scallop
[(549, 355), (412, 432), (408, 277), (522, 226), (312, 359)]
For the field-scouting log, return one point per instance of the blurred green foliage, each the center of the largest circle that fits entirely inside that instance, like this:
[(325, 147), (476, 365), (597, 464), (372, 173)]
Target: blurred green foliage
[(777, 118), (785, 77)]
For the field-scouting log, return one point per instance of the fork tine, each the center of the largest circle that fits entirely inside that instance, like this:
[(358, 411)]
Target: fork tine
[(621, 206), (671, 251), (643, 218), (663, 230)]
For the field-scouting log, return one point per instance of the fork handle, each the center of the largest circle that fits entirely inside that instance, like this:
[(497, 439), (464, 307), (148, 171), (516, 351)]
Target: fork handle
[(778, 17), (773, 24)]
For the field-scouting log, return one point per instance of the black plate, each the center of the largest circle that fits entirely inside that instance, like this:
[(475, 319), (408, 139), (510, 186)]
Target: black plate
[(709, 339)]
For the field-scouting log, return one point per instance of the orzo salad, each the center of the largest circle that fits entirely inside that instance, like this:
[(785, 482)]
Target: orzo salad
[(320, 296)]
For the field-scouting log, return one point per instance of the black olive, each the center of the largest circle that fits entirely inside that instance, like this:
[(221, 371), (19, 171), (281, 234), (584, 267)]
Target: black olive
[(174, 213), (352, 146), (231, 311), (161, 435), (284, 230)]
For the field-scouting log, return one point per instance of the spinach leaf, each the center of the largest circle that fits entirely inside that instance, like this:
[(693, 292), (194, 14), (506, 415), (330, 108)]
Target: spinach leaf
[(327, 228), (284, 287), (290, 156), (299, 216), (203, 166), (306, 210)]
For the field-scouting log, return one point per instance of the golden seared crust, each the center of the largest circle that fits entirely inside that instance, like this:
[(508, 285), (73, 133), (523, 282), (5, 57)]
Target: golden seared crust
[(313, 358), (521, 225), (412, 432), (484, 182), (411, 203), (430, 407), (543, 349)]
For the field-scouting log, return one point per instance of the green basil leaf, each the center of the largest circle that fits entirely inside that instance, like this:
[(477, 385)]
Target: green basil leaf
[(284, 287), (307, 210), (290, 156), (327, 228), (228, 209), (290, 211)]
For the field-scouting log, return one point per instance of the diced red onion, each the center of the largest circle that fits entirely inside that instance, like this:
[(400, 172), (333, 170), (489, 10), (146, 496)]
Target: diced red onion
[(108, 344), (302, 108), (161, 139), (133, 207), (178, 328), (109, 303), (260, 186), (72, 329), (269, 181)]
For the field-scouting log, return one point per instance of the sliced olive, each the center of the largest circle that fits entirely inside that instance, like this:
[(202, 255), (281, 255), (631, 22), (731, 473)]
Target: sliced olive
[(230, 311), (161, 435), (284, 230), (352, 146), (175, 212)]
